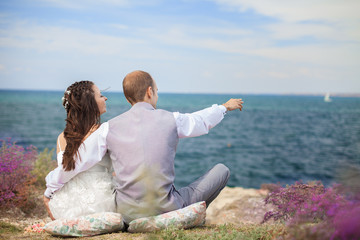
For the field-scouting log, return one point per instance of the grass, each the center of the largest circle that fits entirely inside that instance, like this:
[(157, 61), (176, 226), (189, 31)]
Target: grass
[(212, 232), (8, 228), (224, 232)]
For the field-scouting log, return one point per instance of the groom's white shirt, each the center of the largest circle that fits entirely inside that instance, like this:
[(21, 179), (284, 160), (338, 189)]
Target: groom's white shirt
[(188, 125)]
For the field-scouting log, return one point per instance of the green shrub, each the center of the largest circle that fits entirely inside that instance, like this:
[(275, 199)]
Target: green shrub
[(43, 165)]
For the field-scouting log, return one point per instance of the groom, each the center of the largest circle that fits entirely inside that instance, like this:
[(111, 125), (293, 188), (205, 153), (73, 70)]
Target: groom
[(142, 145)]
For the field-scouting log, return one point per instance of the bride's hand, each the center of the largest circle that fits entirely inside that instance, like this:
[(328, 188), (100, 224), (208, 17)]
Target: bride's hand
[(46, 203)]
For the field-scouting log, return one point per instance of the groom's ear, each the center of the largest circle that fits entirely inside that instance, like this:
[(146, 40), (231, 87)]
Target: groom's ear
[(149, 92)]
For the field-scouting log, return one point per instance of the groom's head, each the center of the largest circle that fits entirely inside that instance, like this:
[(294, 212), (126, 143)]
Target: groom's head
[(139, 86)]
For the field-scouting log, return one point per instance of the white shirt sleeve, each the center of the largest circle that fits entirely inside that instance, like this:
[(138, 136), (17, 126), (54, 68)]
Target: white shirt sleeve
[(200, 122), (91, 152)]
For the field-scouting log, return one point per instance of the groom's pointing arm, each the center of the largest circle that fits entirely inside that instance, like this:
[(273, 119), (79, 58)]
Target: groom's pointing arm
[(200, 122)]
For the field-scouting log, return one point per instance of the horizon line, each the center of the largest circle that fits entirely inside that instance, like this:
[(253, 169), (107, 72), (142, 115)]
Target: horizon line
[(333, 94)]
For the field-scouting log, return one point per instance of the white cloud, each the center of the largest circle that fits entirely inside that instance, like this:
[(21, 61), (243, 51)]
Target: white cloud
[(303, 52), (227, 40), (60, 39), (22, 69), (328, 52), (291, 31), (322, 19), (345, 55), (295, 11), (333, 44), (80, 4), (207, 74), (86, 4), (120, 26), (278, 75)]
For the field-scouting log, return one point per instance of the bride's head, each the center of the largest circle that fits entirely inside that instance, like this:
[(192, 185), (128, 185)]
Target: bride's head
[(84, 104)]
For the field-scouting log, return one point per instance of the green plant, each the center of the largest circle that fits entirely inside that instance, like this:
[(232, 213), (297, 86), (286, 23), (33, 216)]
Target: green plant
[(43, 165), (226, 232), (8, 228)]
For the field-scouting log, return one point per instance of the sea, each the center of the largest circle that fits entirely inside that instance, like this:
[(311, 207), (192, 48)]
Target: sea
[(274, 139)]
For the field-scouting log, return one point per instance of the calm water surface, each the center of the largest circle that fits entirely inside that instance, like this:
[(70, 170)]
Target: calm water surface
[(274, 139)]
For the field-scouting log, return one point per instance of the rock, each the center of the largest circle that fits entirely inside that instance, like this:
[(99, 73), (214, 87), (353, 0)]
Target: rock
[(237, 206)]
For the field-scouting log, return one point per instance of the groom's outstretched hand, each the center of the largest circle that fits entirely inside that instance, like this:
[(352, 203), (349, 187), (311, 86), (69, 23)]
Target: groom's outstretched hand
[(46, 203), (234, 104)]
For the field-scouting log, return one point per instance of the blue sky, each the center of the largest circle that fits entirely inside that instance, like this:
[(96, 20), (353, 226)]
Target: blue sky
[(188, 46)]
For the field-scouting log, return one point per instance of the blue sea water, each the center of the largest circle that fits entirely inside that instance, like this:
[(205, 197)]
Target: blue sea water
[(275, 139)]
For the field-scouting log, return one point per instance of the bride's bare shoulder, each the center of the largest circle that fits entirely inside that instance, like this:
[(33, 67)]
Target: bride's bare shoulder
[(61, 143)]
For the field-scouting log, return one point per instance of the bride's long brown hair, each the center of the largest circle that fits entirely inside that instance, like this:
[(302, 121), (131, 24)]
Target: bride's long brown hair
[(82, 115)]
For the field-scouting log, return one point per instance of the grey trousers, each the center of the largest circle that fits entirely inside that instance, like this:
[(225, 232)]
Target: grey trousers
[(207, 187)]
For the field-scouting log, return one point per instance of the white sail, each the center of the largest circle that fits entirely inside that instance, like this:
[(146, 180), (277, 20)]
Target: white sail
[(327, 97)]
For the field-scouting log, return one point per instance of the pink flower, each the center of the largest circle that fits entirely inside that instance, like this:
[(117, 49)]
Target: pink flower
[(35, 228)]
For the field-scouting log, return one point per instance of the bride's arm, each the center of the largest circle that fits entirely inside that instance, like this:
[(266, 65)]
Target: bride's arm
[(91, 155), (46, 203), (56, 179)]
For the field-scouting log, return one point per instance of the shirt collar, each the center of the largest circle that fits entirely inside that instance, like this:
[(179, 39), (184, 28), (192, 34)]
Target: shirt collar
[(143, 105)]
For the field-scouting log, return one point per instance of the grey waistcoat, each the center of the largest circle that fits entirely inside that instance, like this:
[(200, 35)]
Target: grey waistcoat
[(142, 144)]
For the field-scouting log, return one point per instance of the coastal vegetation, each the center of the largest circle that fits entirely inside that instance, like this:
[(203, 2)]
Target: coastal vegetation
[(299, 211), (311, 211), (22, 173)]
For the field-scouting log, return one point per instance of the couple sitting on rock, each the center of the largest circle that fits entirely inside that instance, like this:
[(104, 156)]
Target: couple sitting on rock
[(126, 165)]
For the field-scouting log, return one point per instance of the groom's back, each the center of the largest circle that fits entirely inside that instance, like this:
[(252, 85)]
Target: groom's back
[(142, 144)]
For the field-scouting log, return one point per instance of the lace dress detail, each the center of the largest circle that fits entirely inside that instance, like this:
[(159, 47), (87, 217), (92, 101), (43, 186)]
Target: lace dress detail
[(88, 192)]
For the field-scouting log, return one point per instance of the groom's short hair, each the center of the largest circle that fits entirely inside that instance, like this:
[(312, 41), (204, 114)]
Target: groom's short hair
[(135, 85)]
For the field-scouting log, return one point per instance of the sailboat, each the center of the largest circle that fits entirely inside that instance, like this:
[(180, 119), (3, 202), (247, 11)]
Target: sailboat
[(327, 97)]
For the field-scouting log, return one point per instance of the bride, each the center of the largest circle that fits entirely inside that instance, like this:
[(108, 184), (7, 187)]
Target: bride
[(79, 147)]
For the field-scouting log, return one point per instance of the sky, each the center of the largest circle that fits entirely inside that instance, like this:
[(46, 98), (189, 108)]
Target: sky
[(188, 46)]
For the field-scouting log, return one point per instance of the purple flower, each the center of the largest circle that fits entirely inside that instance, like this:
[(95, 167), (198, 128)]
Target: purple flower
[(347, 223), (325, 208), (16, 164)]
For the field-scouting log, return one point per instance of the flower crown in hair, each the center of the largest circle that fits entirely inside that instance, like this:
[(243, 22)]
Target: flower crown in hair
[(65, 101)]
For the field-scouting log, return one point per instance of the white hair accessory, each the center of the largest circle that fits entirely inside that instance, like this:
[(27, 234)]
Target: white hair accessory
[(65, 100)]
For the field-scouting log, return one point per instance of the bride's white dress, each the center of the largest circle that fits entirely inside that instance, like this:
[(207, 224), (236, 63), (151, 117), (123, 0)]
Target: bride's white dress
[(88, 192)]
